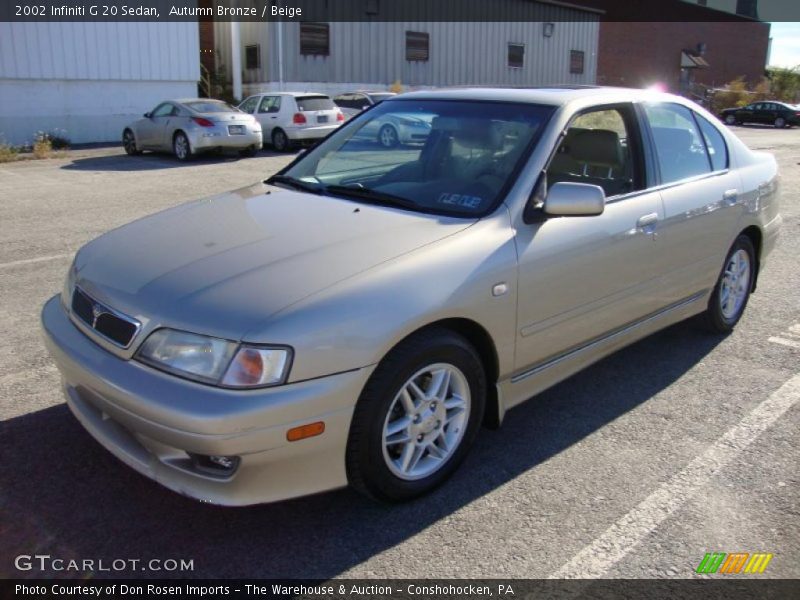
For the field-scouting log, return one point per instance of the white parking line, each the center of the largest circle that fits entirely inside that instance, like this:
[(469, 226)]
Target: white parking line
[(28, 261), (596, 559), (784, 342)]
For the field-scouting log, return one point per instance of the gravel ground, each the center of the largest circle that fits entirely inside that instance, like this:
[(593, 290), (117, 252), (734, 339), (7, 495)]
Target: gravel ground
[(621, 471)]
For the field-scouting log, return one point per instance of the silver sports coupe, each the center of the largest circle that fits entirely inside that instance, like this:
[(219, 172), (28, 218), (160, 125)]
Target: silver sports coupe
[(356, 318), (191, 126)]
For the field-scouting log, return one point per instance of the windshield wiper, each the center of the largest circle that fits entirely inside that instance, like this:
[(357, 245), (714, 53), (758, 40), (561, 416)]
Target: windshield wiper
[(372, 196), (295, 183)]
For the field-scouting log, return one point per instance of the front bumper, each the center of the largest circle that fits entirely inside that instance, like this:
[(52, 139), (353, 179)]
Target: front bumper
[(153, 421), (205, 138)]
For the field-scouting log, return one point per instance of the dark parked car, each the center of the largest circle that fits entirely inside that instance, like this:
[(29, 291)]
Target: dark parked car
[(778, 114)]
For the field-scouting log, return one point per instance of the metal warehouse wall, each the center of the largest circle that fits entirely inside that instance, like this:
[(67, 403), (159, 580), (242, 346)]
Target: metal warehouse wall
[(460, 54), (91, 78)]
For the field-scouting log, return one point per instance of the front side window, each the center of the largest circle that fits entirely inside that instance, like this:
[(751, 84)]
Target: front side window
[(597, 149), (315, 39), (717, 149), (680, 150), (249, 105), (456, 157), (163, 110)]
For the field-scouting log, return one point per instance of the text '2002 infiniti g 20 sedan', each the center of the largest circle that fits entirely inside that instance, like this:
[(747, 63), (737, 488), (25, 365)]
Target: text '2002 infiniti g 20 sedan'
[(357, 317)]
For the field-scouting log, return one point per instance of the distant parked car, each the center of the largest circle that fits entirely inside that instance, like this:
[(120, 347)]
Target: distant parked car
[(778, 114), (188, 127), (288, 118), (353, 103)]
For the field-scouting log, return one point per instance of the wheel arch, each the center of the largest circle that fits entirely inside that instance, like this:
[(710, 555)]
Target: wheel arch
[(484, 345), (757, 238)]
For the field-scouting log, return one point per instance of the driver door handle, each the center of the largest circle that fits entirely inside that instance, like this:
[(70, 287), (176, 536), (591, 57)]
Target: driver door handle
[(646, 221)]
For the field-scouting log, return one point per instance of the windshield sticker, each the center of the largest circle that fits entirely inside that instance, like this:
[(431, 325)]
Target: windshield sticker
[(460, 200)]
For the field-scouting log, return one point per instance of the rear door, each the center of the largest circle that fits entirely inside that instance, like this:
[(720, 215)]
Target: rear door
[(700, 194)]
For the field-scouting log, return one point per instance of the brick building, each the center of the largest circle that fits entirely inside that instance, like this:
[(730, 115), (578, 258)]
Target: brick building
[(680, 54)]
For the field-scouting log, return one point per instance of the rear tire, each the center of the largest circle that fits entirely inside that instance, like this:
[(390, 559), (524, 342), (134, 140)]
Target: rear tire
[(780, 123), (730, 120), (732, 291), (280, 141), (181, 147), (417, 417)]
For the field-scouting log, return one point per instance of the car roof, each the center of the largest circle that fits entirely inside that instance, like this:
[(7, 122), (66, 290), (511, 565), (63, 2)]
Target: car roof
[(366, 92), (554, 96), (293, 94)]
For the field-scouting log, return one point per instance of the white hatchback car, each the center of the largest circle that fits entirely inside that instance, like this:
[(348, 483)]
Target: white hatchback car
[(291, 117)]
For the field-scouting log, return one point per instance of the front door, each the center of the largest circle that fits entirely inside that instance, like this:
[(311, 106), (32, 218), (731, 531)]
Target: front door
[(583, 277)]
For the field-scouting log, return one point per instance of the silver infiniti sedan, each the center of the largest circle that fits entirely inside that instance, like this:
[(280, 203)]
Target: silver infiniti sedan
[(189, 127), (356, 318)]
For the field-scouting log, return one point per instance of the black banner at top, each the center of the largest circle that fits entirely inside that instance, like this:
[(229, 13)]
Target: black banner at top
[(393, 10)]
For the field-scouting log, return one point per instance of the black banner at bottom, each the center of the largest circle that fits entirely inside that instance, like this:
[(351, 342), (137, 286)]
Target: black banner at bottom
[(407, 589)]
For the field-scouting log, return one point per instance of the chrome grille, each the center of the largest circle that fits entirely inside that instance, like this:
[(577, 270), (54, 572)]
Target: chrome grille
[(114, 326)]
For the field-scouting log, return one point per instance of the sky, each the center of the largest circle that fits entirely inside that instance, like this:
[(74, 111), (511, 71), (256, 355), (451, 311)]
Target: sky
[(785, 45)]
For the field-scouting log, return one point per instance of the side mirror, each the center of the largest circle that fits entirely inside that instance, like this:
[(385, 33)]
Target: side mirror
[(365, 107), (147, 115), (567, 199)]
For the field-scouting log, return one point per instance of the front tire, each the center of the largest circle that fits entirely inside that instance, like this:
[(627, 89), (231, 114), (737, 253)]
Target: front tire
[(181, 147), (732, 291), (388, 136), (417, 417), (129, 143), (730, 120)]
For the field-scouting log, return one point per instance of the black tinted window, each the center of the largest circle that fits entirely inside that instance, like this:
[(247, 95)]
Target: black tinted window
[(314, 103), (680, 150), (717, 150)]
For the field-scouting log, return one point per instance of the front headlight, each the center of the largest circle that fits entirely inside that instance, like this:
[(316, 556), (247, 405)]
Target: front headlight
[(214, 360), (69, 286)]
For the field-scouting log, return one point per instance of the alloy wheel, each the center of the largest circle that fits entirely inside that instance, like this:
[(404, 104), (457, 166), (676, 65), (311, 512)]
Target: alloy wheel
[(735, 284), (181, 147), (426, 421)]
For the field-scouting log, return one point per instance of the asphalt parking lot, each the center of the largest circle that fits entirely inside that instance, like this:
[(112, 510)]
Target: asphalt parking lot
[(682, 444)]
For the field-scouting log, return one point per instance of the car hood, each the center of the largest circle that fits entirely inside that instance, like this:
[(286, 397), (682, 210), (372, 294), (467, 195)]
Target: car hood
[(222, 265)]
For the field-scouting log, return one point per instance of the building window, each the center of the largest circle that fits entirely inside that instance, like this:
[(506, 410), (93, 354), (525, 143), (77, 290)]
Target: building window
[(252, 56), (576, 61), (516, 56), (315, 39), (417, 46)]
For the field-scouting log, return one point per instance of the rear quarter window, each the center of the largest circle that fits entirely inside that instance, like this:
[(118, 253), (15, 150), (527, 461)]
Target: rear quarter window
[(717, 149)]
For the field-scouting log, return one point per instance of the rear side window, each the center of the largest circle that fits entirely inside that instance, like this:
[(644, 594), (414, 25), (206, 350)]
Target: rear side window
[(314, 103), (717, 150), (680, 150)]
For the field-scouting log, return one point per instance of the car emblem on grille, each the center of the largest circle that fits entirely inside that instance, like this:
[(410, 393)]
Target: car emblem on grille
[(97, 312)]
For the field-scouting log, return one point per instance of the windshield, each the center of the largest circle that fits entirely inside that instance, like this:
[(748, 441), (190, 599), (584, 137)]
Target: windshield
[(314, 103), (210, 106), (437, 156)]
